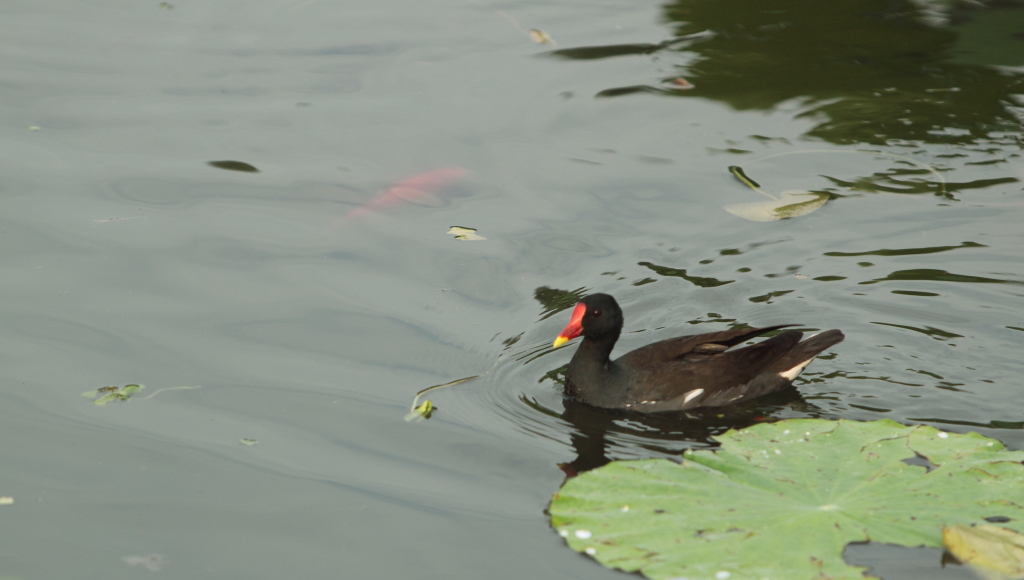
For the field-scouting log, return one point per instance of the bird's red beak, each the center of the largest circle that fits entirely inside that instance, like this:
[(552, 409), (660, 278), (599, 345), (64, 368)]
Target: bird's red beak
[(574, 328)]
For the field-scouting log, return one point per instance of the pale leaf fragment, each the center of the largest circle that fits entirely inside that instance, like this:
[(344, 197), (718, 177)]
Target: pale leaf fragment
[(468, 234), (540, 37), (791, 203)]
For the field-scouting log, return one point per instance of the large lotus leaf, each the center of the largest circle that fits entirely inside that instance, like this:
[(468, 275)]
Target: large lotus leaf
[(782, 500)]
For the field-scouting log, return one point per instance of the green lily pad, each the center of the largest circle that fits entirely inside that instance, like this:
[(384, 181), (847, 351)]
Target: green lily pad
[(782, 500)]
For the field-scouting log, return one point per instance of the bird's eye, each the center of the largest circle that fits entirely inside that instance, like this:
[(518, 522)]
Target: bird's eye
[(596, 312)]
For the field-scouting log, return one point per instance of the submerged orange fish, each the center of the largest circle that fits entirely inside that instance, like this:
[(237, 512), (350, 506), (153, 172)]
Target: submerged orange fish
[(409, 189)]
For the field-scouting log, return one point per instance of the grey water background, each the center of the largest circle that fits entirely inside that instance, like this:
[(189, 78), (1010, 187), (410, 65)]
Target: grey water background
[(126, 258)]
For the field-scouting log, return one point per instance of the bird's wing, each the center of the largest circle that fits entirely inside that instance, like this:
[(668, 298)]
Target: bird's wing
[(694, 347), (712, 379)]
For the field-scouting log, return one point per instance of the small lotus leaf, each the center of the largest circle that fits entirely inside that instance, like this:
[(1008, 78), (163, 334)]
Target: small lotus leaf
[(782, 500)]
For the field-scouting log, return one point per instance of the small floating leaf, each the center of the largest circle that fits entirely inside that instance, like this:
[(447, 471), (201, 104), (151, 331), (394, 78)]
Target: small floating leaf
[(233, 166), (462, 233), (248, 442), (990, 549), (792, 203), (789, 204), (423, 411), (6, 500), (106, 399), (782, 500), (539, 36), (108, 394)]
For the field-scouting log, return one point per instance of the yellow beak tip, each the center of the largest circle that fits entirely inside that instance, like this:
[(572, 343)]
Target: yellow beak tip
[(559, 342)]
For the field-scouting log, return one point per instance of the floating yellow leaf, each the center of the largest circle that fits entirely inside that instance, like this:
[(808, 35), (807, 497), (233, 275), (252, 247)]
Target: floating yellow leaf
[(994, 552), (423, 411), (539, 36), (462, 233)]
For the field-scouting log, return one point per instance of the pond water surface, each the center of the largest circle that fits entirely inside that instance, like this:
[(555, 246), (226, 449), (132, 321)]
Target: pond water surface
[(589, 166)]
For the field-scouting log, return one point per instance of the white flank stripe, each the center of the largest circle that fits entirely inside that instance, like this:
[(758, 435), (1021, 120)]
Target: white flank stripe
[(795, 371), (689, 396)]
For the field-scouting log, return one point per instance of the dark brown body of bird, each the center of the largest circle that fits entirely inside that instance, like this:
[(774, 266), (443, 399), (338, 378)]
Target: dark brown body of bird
[(684, 372)]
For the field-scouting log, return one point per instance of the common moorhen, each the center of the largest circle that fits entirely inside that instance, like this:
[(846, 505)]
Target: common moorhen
[(679, 373)]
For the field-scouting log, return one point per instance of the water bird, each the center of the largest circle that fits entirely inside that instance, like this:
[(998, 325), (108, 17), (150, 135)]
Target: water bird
[(680, 373)]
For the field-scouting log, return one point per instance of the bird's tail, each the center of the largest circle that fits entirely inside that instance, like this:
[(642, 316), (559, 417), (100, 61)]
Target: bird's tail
[(790, 364)]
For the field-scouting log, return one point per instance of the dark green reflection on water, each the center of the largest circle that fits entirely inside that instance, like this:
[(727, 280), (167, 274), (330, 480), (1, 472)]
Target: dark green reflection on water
[(611, 50), (874, 70), (915, 293), (680, 273), (928, 330), (555, 300), (767, 298), (868, 71), (908, 251), (937, 276)]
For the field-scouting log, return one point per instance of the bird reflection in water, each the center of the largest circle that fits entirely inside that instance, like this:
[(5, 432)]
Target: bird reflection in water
[(599, 436)]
